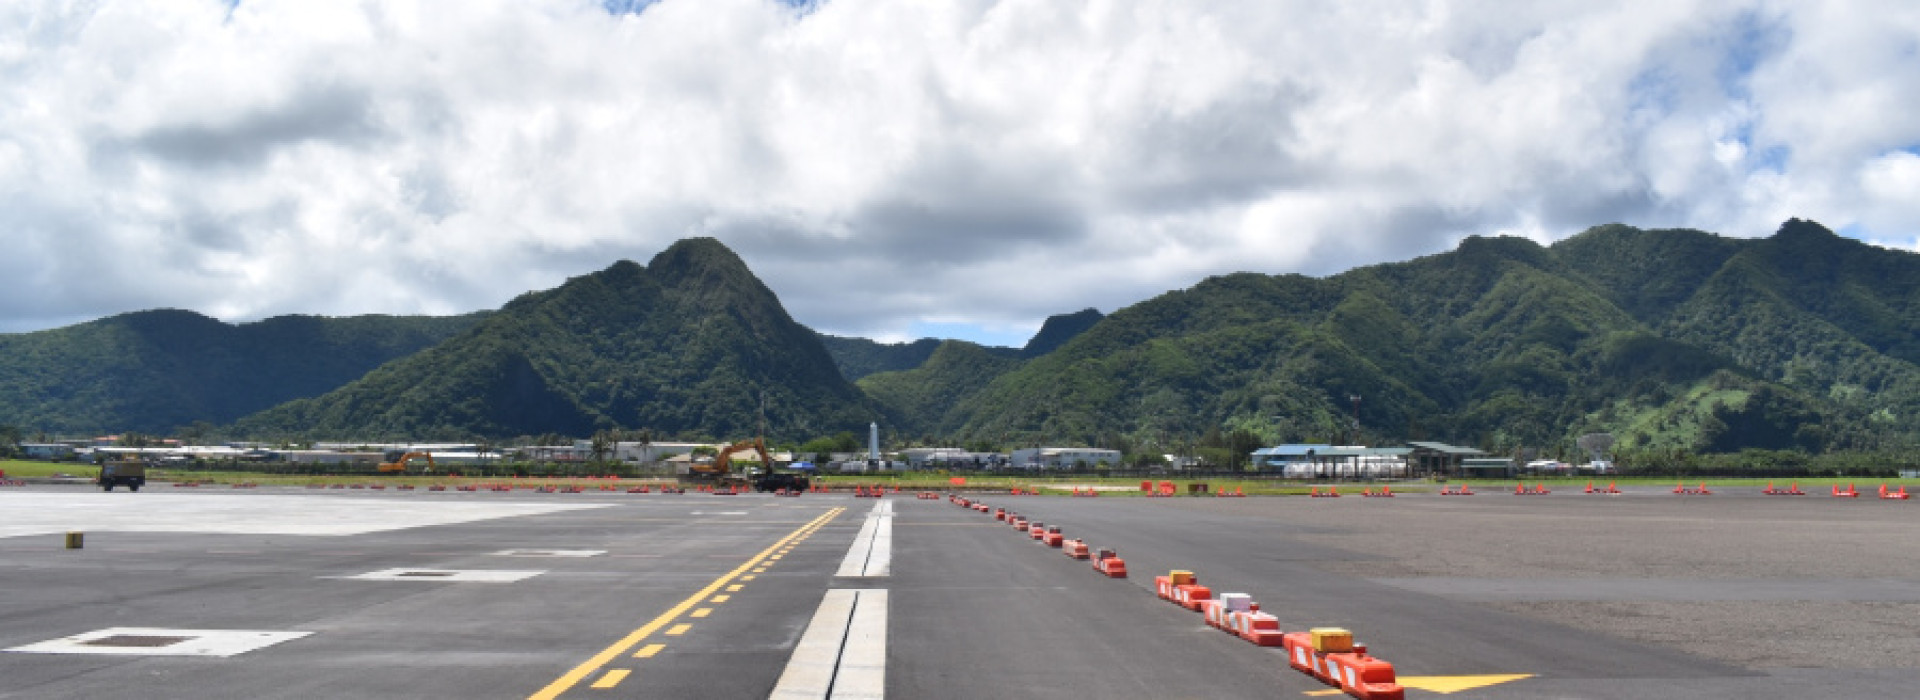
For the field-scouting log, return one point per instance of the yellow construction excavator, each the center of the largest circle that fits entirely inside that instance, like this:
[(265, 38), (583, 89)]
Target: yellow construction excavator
[(721, 469), (400, 465)]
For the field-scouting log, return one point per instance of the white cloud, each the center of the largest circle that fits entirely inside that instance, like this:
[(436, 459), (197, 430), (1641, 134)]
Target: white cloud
[(883, 164)]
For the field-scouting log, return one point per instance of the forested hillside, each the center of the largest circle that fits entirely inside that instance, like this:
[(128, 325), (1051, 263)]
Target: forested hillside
[(1669, 339), (156, 371), (859, 357), (684, 346), (1672, 340)]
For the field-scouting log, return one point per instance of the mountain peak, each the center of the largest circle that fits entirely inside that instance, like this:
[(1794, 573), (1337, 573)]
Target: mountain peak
[(695, 253), (1059, 329), (1480, 248), (1804, 230)]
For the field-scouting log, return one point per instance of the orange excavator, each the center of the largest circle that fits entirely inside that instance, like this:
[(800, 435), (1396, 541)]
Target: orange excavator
[(720, 471), (400, 465)]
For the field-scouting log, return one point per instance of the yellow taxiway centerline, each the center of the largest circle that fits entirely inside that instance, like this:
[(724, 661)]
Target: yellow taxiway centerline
[(571, 678)]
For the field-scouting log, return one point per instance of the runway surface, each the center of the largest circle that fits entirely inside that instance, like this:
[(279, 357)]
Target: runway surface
[(289, 593)]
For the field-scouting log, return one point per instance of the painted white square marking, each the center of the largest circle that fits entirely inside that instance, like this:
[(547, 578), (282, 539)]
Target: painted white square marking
[(155, 641), (446, 575)]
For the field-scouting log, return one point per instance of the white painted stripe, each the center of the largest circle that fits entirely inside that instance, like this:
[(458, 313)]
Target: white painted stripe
[(862, 674), (856, 559), (880, 559), (809, 673), (872, 551), (843, 653)]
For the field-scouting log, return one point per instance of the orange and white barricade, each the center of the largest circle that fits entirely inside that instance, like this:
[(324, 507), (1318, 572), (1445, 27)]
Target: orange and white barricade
[(1330, 655), (1076, 549)]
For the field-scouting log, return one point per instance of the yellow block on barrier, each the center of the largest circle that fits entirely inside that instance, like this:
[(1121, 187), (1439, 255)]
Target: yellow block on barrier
[(1180, 577), (76, 540), (1332, 640)]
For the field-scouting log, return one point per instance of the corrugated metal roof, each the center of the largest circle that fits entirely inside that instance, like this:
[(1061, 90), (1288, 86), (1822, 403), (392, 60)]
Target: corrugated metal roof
[(1445, 448), (1342, 452), (1290, 450)]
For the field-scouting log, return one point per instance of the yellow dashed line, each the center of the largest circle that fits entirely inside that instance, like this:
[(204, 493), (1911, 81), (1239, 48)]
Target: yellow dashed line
[(612, 678), (703, 612), (678, 630), (735, 588), (760, 570), (647, 652), (579, 673), (720, 599), (748, 577)]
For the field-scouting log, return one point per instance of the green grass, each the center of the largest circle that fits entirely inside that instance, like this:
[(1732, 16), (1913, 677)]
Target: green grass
[(19, 469)]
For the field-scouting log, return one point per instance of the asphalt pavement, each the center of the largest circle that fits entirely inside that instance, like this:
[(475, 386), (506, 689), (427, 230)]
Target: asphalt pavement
[(616, 595)]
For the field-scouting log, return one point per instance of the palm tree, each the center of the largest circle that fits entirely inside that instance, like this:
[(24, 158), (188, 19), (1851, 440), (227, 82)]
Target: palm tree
[(601, 445)]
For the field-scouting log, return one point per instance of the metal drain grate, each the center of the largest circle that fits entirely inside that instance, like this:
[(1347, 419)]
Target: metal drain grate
[(135, 640), (425, 573)]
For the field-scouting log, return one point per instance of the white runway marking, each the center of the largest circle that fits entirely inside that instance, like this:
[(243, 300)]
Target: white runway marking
[(445, 575), (154, 641), (843, 653), (872, 552), (550, 553), (245, 514)]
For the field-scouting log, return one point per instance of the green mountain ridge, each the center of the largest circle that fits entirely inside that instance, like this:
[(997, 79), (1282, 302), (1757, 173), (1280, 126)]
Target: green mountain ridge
[(684, 346), (156, 371), (1670, 339), (857, 358)]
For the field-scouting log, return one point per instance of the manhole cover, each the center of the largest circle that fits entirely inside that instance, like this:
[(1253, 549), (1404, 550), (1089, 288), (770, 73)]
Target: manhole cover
[(425, 573), (135, 640)]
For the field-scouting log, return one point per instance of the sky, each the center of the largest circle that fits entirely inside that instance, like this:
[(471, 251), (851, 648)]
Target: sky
[(892, 170)]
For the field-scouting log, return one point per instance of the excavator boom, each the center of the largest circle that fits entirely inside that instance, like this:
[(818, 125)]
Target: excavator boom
[(400, 465), (722, 467)]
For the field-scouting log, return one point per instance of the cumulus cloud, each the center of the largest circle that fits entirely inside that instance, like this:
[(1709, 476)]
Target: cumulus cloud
[(896, 166)]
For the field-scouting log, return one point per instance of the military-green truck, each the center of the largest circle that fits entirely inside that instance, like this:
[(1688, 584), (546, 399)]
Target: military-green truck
[(132, 475)]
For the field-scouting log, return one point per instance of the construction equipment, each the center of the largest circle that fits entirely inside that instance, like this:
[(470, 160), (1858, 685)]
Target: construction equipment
[(792, 483), (400, 465), (720, 470)]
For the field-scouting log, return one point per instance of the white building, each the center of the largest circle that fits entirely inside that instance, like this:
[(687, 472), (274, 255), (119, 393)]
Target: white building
[(217, 452), (47, 450), (330, 457), (951, 458), (646, 452), (1063, 457)]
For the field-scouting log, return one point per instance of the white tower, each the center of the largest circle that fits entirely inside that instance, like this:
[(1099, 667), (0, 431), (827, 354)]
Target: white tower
[(873, 441)]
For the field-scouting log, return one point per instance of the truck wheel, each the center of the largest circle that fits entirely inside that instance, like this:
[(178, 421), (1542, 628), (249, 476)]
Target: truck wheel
[(134, 488), (107, 488)]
